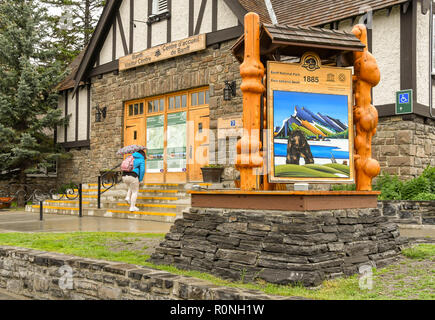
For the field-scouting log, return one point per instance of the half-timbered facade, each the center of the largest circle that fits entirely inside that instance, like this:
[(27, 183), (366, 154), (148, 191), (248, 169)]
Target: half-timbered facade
[(157, 70)]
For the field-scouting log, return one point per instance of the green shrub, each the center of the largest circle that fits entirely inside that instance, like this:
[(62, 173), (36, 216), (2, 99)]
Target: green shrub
[(390, 187), (421, 188)]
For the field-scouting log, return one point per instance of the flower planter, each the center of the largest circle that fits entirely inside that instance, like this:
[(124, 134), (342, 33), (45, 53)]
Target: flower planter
[(5, 203), (212, 175)]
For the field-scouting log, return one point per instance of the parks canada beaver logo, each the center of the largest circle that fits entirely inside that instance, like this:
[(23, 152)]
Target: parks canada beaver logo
[(311, 63)]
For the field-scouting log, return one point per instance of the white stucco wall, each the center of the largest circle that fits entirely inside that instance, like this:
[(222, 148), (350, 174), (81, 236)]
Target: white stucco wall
[(206, 25), (141, 29), (386, 49), (71, 131), (226, 18), (159, 35), (83, 113), (61, 130), (346, 25), (124, 11), (106, 50), (180, 20), (423, 61)]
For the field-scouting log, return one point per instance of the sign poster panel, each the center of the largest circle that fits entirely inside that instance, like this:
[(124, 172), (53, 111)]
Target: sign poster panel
[(176, 145), (163, 52), (155, 144), (310, 111), (404, 101)]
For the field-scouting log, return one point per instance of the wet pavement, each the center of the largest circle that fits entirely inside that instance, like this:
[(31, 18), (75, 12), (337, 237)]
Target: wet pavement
[(19, 221)]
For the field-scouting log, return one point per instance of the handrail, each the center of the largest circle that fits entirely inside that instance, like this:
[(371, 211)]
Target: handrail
[(108, 180), (40, 196)]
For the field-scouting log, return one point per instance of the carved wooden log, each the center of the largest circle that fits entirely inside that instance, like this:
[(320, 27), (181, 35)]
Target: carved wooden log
[(249, 155), (367, 75)]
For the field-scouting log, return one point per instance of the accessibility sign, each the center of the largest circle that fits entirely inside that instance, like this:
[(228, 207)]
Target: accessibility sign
[(404, 101)]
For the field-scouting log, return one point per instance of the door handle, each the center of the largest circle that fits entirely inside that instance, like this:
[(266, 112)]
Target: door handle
[(190, 152)]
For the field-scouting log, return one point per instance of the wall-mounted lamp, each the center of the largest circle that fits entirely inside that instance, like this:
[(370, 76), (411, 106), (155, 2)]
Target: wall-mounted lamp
[(100, 114), (229, 90)]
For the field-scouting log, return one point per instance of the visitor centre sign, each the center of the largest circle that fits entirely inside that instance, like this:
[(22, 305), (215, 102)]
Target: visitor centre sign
[(310, 111)]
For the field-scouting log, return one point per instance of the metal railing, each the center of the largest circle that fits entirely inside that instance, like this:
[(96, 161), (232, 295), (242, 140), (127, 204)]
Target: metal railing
[(74, 192), (107, 181)]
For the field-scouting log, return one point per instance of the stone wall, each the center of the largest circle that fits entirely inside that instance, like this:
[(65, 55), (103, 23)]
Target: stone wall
[(405, 145), (280, 247), (409, 212), (44, 184), (36, 275), (210, 67)]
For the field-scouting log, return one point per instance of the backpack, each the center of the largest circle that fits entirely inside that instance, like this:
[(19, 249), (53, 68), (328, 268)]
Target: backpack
[(128, 164)]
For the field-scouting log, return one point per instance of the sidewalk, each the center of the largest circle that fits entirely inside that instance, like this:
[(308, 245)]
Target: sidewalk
[(20, 221)]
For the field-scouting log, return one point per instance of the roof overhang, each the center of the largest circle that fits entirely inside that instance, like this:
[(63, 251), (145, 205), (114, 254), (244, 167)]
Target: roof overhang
[(294, 41)]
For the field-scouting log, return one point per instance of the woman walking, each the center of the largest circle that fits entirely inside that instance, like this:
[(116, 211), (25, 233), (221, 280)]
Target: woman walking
[(134, 178)]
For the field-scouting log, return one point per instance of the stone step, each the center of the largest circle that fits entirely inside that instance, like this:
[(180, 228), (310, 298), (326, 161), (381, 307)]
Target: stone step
[(142, 192), (108, 213), (117, 205)]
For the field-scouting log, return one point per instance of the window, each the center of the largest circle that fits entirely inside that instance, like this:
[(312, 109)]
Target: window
[(160, 6), (135, 109), (200, 98)]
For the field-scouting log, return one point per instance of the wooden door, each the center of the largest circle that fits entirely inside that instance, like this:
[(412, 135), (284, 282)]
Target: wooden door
[(198, 142), (134, 132)]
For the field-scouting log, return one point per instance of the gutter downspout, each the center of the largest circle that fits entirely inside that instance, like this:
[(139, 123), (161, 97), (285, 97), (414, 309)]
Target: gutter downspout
[(272, 15)]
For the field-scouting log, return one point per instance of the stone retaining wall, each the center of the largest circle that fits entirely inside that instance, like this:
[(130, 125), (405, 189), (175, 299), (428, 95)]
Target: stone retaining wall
[(280, 247), (409, 212), (36, 274), (405, 145)]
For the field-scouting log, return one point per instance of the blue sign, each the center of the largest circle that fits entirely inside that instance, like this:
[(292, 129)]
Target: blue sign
[(233, 123), (404, 98)]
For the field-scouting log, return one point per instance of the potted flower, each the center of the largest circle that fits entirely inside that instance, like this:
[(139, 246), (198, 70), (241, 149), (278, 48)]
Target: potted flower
[(212, 173)]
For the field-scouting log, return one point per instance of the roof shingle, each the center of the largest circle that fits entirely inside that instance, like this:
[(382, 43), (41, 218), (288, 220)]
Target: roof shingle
[(318, 12)]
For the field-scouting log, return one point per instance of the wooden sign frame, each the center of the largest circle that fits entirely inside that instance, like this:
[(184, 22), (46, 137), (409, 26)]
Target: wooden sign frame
[(163, 52), (309, 79)]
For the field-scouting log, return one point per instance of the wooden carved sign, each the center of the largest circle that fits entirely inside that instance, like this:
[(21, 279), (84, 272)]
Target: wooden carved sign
[(310, 114), (163, 52)]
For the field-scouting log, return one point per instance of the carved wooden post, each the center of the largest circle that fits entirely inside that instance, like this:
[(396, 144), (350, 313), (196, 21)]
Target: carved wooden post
[(367, 75), (249, 156)]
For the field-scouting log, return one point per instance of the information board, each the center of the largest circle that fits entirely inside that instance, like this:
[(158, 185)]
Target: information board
[(310, 111)]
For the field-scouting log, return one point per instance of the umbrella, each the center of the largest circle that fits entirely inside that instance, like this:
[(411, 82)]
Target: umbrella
[(130, 149)]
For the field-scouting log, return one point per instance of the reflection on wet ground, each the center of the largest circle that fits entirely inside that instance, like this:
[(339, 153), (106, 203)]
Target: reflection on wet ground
[(19, 221)]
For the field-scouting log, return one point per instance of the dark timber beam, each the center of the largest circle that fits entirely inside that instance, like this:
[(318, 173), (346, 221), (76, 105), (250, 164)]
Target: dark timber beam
[(169, 22), (191, 16), (149, 26), (408, 47), (200, 16), (131, 33), (237, 9), (121, 31)]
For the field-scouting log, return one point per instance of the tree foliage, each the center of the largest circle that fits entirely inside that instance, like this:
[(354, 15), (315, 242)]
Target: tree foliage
[(29, 73), (73, 22)]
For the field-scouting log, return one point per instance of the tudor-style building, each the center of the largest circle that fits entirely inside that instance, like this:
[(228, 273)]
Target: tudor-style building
[(157, 70)]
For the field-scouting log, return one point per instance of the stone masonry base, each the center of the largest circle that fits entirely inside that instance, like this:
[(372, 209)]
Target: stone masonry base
[(280, 247), (42, 275)]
